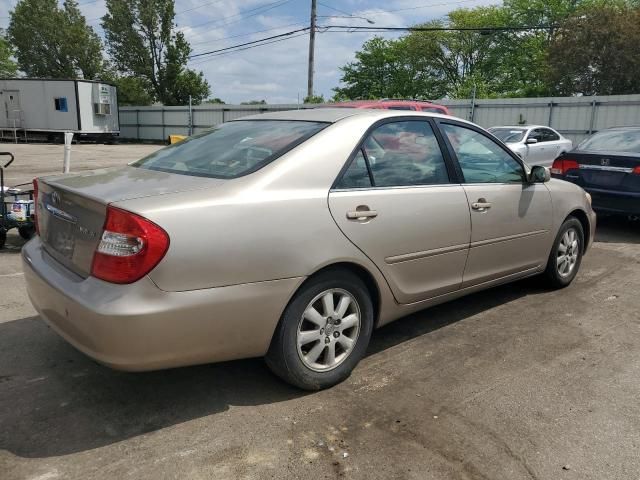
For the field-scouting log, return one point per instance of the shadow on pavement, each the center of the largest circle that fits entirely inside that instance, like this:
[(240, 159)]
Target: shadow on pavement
[(617, 229), (56, 401)]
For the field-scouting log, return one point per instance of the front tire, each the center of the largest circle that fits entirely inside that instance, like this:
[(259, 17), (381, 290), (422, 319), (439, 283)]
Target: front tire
[(324, 331), (566, 255)]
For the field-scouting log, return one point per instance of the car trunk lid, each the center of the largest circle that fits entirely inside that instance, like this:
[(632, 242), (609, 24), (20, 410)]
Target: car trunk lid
[(599, 170), (72, 208)]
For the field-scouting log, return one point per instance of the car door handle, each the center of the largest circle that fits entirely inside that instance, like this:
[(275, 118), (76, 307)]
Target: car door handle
[(481, 205), (361, 214)]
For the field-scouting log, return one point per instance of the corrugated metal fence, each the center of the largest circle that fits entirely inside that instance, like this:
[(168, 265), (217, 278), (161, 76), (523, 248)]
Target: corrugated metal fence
[(574, 117)]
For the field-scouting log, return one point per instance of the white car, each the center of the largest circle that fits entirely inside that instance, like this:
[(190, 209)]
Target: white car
[(535, 144)]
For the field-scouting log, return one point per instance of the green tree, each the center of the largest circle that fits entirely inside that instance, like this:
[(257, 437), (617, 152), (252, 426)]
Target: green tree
[(142, 41), (54, 42), (595, 52), (389, 69), (133, 91), (254, 102), (215, 101), (8, 67), (314, 99)]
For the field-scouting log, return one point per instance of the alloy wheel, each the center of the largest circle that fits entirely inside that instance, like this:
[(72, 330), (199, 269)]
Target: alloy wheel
[(328, 330), (568, 252)]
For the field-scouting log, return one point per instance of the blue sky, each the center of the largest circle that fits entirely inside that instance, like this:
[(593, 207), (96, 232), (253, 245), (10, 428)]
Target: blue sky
[(277, 72)]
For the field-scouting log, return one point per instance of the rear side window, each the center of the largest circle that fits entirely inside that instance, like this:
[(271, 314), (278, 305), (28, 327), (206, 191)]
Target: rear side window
[(613, 141), (550, 135), (404, 153), (232, 149), (433, 110), (357, 175), (401, 107)]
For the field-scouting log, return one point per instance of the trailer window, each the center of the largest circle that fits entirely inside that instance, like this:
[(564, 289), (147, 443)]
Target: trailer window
[(61, 104)]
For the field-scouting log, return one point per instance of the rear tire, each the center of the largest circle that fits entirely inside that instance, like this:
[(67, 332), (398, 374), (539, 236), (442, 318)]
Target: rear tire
[(324, 331), (566, 255), (3, 237)]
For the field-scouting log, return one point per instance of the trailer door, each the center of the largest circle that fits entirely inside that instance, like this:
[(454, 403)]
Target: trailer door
[(11, 99)]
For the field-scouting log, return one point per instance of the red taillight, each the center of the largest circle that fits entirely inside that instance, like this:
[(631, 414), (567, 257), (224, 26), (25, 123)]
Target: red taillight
[(562, 165), (130, 247), (35, 205), (636, 171)]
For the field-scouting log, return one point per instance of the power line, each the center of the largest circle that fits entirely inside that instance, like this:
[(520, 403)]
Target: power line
[(351, 29), (247, 34), (196, 8), (248, 48), (334, 8), (286, 34), (417, 7), (263, 9)]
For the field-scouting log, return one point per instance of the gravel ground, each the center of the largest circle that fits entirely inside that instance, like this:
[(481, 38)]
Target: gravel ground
[(513, 383)]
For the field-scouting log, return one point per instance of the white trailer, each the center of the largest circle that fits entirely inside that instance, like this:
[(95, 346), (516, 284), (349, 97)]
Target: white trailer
[(34, 108)]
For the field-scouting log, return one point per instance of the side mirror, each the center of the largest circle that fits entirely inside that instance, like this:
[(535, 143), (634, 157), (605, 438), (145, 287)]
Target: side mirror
[(539, 174), (532, 141)]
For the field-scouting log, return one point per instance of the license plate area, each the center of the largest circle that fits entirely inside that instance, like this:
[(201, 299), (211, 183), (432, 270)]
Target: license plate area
[(61, 236), (603, 178)]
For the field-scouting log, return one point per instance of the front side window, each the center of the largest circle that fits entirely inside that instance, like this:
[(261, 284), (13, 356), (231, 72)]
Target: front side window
[(405, 153), (232, 149), (481, 159)]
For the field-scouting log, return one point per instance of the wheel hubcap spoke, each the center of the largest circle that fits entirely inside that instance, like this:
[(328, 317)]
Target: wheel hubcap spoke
[(309, 336), (327, 303), (314, 316), (343, 304), (346, 342), (315, 352), (349, 321)]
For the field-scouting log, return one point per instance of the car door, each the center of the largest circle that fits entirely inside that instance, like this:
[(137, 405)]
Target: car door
[(536, 151), (510, 218), (399, 203)]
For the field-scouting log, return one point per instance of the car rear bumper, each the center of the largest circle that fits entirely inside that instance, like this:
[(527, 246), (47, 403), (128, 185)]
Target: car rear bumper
[(140, 327), (616, 202)]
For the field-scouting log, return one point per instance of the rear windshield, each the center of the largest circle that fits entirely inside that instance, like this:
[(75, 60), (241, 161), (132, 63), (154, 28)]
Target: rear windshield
[(613, 141), (508, 135), (231, 149)]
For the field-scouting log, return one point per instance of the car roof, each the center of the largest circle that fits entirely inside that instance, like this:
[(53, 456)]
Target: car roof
[(332, 115), (628, 127), (522, 127), (387, 101)]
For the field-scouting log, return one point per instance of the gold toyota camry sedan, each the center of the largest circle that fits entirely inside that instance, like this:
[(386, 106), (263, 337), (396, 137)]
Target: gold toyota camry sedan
[(292, 235)]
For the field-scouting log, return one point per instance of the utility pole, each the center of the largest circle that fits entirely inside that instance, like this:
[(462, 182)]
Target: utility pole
[(312, 48)]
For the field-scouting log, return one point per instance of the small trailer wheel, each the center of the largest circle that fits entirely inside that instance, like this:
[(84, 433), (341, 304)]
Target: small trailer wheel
[(27, 231)]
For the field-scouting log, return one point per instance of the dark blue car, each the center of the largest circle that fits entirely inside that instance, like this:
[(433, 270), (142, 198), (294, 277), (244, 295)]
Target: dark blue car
[(607, 165)]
